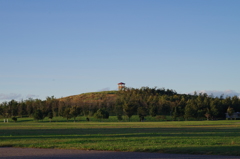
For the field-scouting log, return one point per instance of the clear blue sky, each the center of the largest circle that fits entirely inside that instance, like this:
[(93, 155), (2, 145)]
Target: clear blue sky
[(68, 47)]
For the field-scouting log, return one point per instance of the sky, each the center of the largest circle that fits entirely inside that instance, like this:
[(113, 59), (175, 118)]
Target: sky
[(67, 47)]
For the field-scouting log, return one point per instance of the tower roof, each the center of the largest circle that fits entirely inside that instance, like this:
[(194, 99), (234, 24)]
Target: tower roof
[(121, 83)]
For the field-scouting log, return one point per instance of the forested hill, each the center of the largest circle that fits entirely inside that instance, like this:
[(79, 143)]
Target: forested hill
[(130, 101), (111, 95)]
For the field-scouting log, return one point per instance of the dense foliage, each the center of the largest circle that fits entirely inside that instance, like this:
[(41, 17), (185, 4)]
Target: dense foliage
[(130, 101)]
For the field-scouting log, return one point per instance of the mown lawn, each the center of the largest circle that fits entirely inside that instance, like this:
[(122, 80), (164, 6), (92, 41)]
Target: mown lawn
[(191, 137)]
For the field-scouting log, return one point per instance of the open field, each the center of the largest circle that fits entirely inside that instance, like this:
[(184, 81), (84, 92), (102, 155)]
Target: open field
[(186, 137)]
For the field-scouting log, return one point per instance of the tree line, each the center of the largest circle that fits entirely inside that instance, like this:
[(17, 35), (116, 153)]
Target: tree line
[(143, 102)]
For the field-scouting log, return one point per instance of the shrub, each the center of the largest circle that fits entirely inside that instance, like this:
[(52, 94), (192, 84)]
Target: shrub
[(38, 115), (119, 117), (14, 119), (160, 117), (101, 114)]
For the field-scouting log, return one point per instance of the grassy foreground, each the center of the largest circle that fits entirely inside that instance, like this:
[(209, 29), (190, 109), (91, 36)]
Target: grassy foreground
[(189, 137)]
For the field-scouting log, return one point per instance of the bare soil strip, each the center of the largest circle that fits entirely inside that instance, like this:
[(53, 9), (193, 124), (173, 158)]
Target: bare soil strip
[(27, 153)]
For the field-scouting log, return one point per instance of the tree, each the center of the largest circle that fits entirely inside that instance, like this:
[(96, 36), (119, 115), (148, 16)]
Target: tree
[(236, 103), (50, 115), (13, 107), (118, 109), (180, 108), (38, 115), (129, 109), (74, 111), (67, 114), (1, 110), (29, 106), (61, 108), (142, 112), (190, 110), (6, 111), (176, 113), (213, 107), (230, 112), (101, 114), (226, 103), (208, 114), (50, 104), (153, 110), (165, 108), (22, 109), (200, 113)]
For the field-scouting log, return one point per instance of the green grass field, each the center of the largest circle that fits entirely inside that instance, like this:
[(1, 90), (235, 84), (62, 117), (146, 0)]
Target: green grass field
[(190, 137)]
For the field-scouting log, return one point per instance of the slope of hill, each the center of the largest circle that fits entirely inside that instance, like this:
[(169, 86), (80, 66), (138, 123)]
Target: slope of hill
[(91, 96)]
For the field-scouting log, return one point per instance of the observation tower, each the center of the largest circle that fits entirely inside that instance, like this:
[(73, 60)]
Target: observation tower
[(121, 85)]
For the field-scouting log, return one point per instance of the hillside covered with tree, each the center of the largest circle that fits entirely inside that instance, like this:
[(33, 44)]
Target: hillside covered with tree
[(143, 102)]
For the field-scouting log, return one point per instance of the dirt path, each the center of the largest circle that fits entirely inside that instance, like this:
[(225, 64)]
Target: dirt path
[(27, 153)]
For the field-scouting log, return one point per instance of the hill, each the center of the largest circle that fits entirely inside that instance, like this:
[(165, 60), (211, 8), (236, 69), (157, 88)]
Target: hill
[(91, 96), (143, 102)]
